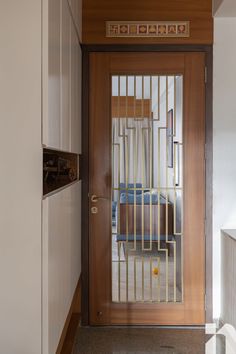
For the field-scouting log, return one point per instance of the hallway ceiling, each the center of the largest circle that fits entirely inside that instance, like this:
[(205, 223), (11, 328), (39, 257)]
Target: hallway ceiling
[(224, 8)]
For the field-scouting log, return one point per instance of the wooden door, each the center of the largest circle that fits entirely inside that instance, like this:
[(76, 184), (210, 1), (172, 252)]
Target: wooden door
[(147, 188)]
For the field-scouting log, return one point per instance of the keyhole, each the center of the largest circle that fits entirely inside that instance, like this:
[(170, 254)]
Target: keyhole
[(94, 210)]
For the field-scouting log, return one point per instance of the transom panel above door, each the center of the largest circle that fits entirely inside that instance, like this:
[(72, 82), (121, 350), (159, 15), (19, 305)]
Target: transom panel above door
[(147, 188)]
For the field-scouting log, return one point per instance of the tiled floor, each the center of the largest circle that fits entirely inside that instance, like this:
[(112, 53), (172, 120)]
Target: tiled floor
[(140, 341)]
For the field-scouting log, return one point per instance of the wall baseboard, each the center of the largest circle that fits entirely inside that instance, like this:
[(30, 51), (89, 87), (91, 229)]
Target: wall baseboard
[(67, 339)]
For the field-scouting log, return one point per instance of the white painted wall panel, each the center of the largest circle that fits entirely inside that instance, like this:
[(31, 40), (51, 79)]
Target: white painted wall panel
[(224, 143), (21, 177)]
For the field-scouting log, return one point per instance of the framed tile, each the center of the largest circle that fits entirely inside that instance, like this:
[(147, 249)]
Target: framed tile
[(148, 29)]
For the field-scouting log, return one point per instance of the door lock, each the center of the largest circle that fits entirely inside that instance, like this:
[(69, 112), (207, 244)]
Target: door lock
[(94, 210)]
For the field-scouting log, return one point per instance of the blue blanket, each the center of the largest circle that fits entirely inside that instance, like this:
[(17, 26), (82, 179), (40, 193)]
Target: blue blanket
[(131, 185), (122, 238), (146, 198)]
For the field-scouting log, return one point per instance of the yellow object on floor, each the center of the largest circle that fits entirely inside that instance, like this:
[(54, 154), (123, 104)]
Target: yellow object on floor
[(155, 271)]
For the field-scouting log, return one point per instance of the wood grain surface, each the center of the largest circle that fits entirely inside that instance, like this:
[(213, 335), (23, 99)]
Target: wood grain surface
[(96, 13)]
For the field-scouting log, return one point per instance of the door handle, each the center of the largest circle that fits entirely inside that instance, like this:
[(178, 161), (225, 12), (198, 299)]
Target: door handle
[(95, 198)]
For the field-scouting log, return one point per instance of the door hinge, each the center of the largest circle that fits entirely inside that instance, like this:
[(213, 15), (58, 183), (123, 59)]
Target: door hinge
[(205, 74)]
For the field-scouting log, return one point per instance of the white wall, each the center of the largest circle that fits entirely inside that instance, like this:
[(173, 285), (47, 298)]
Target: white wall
[(20, 181), (224, 143), (24, 260)]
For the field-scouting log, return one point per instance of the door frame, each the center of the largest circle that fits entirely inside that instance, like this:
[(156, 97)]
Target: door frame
[(86, 50)]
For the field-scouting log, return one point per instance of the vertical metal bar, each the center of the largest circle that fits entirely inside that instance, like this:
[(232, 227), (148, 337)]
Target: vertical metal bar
[(174, 271), (159, 280), (127, 272), (113, 177), (174, 133), (142, 278), (143, 159), (159, 194), (151, 278), (119, 271), (174, 146), (118, 201), (159, 99), (126, 98), (167, 172), (167, 277), (135, 279), (119, 178), (142, 114), (119, 157), (181, 183), (112, 192), (150, 103), (135, 166), (127, 184), (174, 189), (150, 161), (167, 185)]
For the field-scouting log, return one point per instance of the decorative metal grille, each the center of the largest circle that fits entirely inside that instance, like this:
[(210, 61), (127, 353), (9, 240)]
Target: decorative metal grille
[(147, 188)]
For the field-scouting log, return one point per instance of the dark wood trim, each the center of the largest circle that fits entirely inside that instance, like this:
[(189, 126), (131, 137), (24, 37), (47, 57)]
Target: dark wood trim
[(68, 334), (69, 341), (207, 49), (209, 183), (85, 190), (146, 48)]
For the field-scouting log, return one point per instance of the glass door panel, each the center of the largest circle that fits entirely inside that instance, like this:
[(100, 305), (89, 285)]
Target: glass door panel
[(147, 188)]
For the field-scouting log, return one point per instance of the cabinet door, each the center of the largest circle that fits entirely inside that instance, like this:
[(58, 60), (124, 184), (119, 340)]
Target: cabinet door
[(52, 118), (76, 63), (62, 78), (65, 77), (61, 258)]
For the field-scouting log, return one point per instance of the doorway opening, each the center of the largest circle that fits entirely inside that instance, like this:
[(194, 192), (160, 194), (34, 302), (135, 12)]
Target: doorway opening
[(146, 153)]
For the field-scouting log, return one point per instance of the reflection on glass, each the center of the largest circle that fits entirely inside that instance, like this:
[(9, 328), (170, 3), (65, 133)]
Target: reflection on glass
[(147, 188)]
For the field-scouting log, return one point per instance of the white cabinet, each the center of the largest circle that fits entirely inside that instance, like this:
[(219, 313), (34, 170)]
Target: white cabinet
[(61, 77), (61, 260), (61, 123)]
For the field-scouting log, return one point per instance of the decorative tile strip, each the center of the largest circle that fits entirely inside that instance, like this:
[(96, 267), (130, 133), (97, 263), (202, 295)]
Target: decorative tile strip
[(148, 29)]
